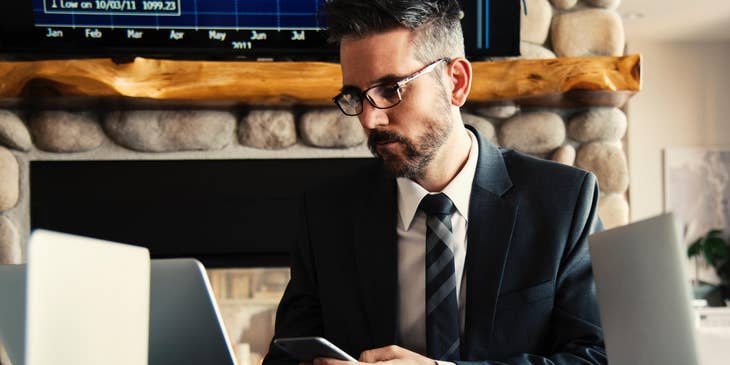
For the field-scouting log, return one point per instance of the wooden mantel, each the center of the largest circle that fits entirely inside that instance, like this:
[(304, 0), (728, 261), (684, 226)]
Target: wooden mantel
[(590, 80)]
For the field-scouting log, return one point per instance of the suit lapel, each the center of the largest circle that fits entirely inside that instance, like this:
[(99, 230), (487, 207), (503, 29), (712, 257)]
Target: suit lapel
[(377, 260), (492, 215)]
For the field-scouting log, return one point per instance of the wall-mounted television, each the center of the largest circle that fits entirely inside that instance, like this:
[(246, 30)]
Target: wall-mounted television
[(209, 29)]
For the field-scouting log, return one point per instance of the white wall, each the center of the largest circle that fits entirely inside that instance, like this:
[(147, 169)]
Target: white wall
[(684, 102)]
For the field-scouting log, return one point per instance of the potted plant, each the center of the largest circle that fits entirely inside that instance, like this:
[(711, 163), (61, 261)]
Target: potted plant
[(714, 249)]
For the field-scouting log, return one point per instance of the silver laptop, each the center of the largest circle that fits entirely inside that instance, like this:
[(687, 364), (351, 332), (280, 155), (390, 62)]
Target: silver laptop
[(79, 301), (643, 294), (99, 298), (185, 324)]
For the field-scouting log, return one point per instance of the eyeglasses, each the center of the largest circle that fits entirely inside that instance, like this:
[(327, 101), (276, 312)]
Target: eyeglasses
[(381, 96)]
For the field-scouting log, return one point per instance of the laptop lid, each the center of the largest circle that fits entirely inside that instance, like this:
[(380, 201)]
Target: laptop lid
[(185, 324), (643, 293), (12, 311), (87, 301)]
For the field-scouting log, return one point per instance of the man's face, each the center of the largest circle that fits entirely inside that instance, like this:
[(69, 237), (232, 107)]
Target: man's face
[(407, 136)]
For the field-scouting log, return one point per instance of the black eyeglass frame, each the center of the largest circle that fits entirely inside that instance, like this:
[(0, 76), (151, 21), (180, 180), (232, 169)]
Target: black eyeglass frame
[(398, 86)]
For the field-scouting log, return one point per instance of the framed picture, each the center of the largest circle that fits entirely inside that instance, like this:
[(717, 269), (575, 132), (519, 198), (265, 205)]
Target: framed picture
[(697, 190)]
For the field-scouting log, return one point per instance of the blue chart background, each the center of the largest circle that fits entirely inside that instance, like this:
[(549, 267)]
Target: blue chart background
[(213, 14)]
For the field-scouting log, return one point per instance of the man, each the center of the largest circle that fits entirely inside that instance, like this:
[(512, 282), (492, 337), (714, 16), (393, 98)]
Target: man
[(447, 248)]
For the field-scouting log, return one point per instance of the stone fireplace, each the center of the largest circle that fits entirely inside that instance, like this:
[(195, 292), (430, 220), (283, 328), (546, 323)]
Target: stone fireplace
[(589, 138)]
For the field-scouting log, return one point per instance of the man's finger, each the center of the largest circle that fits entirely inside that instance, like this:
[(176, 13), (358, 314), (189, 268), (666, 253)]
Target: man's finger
[(380, 354), (330, 361)]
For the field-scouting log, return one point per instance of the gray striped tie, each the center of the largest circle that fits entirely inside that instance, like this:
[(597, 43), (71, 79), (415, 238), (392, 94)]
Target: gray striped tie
[(442, 312)]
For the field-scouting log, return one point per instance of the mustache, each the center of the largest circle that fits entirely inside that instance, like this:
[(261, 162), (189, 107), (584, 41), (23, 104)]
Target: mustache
[(381, 136)]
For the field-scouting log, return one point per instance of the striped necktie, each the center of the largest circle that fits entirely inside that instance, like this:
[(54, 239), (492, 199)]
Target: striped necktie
[(442, 312)]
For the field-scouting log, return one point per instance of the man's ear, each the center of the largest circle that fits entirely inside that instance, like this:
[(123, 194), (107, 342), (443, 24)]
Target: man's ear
[(460, 75)]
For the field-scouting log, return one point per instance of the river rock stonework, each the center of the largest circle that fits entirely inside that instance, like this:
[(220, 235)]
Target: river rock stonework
[(9, 243), (608, 162), (534, 25), (608, 4), (498, 112), (564, 4), (535, 133), (613, 210), (66, 132), (482, 125), (9, 180), (330, 128), (584, 33), (13, 132), (268, 129), (598, 124), (167, 131), (565, 155), (535, 52)]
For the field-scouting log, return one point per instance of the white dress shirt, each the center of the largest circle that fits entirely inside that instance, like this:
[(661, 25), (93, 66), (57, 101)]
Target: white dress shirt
[(412, 250)]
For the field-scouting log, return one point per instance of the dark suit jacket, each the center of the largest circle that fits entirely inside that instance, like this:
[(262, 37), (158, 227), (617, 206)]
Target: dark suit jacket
[(530, 292)]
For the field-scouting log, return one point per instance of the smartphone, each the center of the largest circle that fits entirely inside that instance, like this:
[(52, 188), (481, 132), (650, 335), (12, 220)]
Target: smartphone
[(306, 349)]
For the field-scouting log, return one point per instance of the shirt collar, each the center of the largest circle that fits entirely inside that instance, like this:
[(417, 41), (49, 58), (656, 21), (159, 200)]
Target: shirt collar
[(458, 190)]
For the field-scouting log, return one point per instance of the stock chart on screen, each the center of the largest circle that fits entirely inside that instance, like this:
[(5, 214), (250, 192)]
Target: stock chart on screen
[(211, 29), (179, 14), (232, 24)]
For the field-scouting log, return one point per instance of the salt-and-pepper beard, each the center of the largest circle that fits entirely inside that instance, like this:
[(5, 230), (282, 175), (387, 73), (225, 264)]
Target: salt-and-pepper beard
[(416, 155)]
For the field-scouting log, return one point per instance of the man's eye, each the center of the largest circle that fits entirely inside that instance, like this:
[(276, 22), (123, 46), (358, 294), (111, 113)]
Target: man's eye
[(389, 91)]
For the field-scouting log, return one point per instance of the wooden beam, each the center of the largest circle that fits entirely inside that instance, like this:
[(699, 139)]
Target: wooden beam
[(298, 83)]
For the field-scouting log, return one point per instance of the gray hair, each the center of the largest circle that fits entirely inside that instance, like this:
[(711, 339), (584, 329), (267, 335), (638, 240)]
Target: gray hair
[(435, 24)]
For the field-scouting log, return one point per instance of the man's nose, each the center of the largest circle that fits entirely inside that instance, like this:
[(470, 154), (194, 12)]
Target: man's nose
[(372, 117)]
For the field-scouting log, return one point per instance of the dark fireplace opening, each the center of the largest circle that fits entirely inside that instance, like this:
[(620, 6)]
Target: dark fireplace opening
[(226, 213)]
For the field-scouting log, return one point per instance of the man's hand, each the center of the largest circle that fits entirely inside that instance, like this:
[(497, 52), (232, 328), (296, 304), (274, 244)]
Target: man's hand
[(390, 355)]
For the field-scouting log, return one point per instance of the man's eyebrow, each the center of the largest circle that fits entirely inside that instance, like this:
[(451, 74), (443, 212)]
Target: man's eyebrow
[(381, 80), (349, 88), (388, 78)]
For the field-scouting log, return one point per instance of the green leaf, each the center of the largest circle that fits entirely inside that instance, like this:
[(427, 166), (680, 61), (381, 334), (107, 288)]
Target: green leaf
[(714, 233), (714, 241), (723, 252), (709, 257), (717, 246), (694, 249), (714, 250), (701, 243)]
